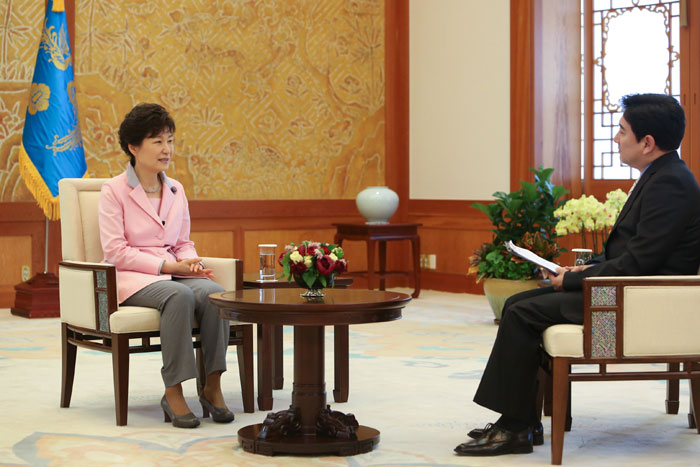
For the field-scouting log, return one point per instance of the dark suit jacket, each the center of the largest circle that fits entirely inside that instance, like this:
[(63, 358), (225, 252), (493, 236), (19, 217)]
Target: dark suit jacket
[(658, 229)]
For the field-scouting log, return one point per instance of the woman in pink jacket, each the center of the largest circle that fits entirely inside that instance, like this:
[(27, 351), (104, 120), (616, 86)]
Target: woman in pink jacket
[(144, 230)]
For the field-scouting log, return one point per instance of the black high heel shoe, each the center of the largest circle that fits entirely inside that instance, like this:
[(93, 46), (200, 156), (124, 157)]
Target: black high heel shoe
[(218, 414), (180, 421)]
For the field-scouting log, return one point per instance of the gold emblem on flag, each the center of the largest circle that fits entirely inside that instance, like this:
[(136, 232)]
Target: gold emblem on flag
[(56, 45), (70, 89), (38, 98), (66, 143)]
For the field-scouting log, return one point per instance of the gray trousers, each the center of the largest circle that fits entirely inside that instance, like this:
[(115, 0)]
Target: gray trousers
[(180, 301)]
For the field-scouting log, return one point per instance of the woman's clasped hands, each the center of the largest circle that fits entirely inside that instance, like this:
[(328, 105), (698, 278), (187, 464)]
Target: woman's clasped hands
[(187, 267)]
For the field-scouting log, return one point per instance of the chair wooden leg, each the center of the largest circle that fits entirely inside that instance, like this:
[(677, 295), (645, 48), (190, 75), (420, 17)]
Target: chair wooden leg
[(201, 377), (68, 354), (694, 401), (672, 390), (277, 358), (560, 396), (120, 372), (547, 396), (245, 368), (341, 341), (569, 420), (539, 401)]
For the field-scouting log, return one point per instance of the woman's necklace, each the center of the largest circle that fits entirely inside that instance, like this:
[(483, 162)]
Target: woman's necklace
[(154, 190)]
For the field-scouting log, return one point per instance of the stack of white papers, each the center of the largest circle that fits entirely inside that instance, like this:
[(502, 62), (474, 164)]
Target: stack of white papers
[(532, 257)]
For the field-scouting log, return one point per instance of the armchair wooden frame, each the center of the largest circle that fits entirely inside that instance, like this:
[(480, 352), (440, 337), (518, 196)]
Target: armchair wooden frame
[(603, 344), (120, 344)]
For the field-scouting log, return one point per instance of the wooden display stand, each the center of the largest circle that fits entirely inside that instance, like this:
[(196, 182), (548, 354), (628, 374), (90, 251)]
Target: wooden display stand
[(37, 297)]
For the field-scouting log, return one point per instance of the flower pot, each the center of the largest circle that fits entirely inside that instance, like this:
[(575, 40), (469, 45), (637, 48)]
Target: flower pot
[(499, 290), (377, 204)]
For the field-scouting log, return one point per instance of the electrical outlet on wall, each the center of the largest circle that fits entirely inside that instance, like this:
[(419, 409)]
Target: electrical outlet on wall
[(26, 273), (432, 261), (423, 261)]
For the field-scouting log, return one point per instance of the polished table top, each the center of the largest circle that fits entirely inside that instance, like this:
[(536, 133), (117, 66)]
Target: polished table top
[(286, 306)]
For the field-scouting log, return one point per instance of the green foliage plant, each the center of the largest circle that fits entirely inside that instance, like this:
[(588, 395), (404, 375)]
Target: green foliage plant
[(526, 217)]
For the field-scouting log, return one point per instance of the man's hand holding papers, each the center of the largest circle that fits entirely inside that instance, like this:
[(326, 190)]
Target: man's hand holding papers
[(551, 271)]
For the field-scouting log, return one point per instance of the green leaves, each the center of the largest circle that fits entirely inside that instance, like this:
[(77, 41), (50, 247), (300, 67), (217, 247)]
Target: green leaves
[(527, 210)]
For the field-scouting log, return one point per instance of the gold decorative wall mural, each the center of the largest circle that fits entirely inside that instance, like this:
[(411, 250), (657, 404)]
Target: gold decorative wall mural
[(20, 32), (272, 99)]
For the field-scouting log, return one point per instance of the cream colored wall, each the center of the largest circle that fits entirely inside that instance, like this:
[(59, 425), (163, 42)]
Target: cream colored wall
[(460, 98)]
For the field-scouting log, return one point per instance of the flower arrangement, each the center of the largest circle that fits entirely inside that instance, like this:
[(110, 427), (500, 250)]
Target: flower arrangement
[(312, 264), (587, 214)]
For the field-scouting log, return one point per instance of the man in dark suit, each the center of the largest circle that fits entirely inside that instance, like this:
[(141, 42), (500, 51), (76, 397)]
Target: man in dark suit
[(656, 233)]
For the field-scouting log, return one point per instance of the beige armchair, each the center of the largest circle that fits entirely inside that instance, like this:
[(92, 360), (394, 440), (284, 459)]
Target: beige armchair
[(652, 319), (91, 316)]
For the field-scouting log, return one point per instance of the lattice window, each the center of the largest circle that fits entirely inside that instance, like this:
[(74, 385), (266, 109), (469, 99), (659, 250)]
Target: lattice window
[(636, 48)]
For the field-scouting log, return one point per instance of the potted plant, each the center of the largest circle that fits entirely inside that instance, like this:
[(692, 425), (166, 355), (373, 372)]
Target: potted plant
[(590, 218), (526, 217)]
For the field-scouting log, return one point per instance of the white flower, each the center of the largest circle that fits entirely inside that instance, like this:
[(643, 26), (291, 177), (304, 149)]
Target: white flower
[(308, 261), (296, 257), (333, 257)]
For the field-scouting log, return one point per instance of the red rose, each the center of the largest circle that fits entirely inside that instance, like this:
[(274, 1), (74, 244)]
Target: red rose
[(297, 268), (326, 250), (310, 250), (325, 265), (341, 266), (302, 250)]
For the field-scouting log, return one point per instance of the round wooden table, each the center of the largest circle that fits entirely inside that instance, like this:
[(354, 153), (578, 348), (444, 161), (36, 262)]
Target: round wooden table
[(309, 426)]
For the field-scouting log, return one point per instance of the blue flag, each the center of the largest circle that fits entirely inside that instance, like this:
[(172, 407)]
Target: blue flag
[(52, 146)]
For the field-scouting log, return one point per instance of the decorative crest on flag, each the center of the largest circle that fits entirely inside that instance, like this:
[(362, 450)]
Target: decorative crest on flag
[(56, 45)]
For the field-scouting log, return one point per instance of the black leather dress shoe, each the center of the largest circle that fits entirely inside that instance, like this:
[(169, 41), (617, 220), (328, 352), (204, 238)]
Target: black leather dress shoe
[(537, 433), (497, 441)]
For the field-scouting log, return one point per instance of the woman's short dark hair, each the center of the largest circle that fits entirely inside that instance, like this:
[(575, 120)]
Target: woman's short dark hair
[(143, 121), (658, 115)]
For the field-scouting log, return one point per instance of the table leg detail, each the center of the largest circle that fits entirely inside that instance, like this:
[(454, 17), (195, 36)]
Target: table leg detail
[(309, 426), (287, 423), (336, 424), (279, 424)]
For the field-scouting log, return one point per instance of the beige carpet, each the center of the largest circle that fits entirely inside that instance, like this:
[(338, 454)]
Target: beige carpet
[(412, 379)]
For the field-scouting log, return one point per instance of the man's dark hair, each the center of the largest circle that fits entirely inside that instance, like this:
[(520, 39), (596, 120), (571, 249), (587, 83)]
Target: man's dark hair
[(657, 115), (143, 121)]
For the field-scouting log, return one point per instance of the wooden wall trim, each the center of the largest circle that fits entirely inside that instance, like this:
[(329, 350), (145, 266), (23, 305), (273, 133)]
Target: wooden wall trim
[(522, 86), (396, 97), (446, 282), (297, 209), (21, 211)]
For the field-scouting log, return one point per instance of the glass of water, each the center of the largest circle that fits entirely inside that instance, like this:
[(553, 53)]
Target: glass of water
[(583, 256), (267, 261)]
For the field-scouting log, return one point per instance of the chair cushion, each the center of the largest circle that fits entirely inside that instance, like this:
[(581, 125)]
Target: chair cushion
[(563, 340), (134, 319)]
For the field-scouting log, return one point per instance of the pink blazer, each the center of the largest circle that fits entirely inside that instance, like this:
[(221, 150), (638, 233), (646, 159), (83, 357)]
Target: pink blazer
[(137, 239)]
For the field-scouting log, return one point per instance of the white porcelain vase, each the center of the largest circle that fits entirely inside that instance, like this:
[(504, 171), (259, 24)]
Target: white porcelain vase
[(377, 204)]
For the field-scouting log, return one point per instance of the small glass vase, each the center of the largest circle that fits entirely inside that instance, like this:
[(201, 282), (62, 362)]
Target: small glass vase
[(315, 292)]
